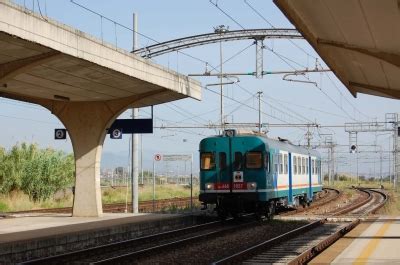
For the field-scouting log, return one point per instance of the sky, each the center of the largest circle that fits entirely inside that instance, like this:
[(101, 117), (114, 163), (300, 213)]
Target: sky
[(326, 103)]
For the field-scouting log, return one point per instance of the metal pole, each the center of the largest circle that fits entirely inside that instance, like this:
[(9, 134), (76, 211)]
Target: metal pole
[(396, 151), (191, 183), (358, 183), (333, 164), (154, 185), (141, 156), (222, 95), (329, 167), (135, 140), (380, 167), (259, 111)]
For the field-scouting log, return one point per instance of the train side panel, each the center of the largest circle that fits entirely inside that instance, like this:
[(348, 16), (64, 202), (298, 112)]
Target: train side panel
[(247, 173)]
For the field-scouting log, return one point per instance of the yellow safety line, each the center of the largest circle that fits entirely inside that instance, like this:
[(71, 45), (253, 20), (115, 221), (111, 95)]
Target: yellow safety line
[(372, 244)]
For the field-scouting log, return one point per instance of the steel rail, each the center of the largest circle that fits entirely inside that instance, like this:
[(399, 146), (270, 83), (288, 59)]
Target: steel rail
[(208, 38), (170, 245), (312, 251), (107, 248), (243, 255), (317, 203)]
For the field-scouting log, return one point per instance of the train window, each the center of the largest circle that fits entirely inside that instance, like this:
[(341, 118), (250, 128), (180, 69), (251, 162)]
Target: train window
[(237, 163), (222, 160), (307, 166), (285, 161), (313, 166), (207, 161), (253, 160), (280, 164), (295, 165), (298, 165), (276, 163), (266, 161), (303, 168)]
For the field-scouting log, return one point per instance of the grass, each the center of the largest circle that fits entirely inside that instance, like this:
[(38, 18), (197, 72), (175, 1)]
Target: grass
[(18, 201), (392, 207), (112, 195)]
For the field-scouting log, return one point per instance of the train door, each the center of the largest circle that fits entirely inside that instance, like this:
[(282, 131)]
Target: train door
[(290, 193), (310, 192), (223, 162), (238, 150)]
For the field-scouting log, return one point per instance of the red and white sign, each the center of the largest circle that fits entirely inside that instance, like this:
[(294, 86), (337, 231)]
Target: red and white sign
[(157, 157), (240, 186), (227, 186), (222, 186)]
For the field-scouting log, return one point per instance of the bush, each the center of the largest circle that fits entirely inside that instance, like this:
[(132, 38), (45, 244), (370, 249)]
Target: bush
[(37, 172)]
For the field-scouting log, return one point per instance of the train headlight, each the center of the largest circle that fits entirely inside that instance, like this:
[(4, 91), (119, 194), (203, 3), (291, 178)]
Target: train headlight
[(209, 186), (252, 185)]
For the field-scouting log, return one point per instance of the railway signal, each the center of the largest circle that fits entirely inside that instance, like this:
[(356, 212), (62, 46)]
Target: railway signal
[(353, 148)]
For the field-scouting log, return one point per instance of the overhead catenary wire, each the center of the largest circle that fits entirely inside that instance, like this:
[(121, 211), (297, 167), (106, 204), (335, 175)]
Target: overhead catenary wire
[(308, 54), (131, 29)]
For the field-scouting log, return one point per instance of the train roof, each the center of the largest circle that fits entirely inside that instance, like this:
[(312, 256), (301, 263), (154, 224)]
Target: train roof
[(282, 144)]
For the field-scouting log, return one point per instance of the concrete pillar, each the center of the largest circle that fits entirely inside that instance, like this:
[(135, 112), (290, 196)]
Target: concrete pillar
[(86, 123)]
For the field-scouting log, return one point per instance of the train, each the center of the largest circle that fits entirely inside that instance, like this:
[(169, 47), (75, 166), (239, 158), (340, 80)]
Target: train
[(249, 172)]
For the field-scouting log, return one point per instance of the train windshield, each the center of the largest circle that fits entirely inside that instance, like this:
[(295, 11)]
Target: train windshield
[(253, 160), (207, 161), (237, 163)]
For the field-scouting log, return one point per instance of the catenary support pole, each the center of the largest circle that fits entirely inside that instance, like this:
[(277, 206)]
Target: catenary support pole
[(135, 140)]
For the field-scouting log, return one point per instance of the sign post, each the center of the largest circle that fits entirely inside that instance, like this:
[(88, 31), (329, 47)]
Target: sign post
[(191, 183), (157, 157), (184, 158)]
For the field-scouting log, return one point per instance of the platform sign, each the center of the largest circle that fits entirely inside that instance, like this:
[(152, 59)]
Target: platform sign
[(177, 157), (60, 134), (116, 133), (132, 126)]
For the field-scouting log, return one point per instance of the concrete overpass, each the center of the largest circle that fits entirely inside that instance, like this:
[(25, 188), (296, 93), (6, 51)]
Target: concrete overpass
[(84, 82)]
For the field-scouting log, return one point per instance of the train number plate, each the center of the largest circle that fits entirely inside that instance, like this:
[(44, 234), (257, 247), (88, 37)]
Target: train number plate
[(222, 186), (239, 186)]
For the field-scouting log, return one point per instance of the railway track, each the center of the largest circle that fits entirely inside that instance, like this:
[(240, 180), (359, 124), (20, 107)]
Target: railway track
[(115, 253), (301, 245), (293, 246), (144, 206), (329, 195)]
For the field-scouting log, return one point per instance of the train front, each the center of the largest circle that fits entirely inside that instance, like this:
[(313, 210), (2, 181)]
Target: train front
[(232, 170)]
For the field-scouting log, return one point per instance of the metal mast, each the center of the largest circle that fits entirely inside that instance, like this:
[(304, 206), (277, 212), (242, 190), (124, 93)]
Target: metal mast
[(259, 94), (135, 139), (221, 29)]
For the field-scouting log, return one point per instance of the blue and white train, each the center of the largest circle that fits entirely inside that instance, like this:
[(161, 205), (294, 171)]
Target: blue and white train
[(252, 173)]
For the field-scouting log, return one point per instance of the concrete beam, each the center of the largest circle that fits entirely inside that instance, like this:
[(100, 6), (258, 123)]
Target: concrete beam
[(391, 58), (11, 69), (393, 93), (32, 32)]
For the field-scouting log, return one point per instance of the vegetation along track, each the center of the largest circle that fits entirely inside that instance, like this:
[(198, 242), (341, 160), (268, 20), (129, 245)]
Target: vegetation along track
[(144, 206), (301, 245)]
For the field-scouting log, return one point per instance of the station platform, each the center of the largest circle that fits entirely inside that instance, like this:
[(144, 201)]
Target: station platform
[(28, 237), (374, 241)]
